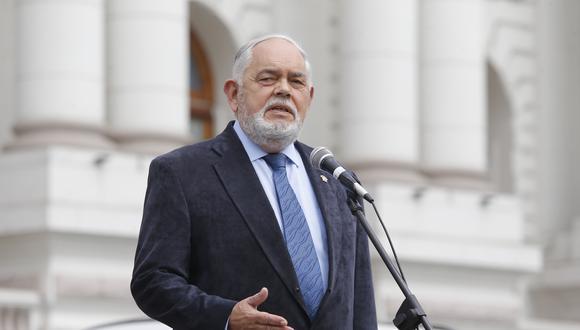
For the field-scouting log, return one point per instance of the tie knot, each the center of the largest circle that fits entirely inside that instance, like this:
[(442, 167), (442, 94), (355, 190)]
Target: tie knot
[(275, 161)]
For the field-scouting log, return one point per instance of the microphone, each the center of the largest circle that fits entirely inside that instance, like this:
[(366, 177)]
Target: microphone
[(323, 159)]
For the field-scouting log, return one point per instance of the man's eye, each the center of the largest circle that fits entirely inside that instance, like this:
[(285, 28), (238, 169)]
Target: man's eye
[(266, 79), (299, 82)]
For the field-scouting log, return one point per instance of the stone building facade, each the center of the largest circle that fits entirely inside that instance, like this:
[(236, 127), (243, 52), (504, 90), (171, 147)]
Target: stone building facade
[(459, 115)]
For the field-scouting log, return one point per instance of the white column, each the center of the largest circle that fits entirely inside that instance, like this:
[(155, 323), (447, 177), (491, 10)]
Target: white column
[(7, 38), (559, 153), (378, 93), (453, 102), (147, 72), (59, 82)]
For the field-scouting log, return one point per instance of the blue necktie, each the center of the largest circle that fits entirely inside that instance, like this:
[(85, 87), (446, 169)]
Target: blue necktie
[(298, 239)]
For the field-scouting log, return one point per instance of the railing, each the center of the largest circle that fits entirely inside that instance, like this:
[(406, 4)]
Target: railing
[(15, 318), (18, 309)]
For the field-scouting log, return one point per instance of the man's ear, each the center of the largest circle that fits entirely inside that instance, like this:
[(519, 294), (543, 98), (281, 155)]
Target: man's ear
[(231, 89)]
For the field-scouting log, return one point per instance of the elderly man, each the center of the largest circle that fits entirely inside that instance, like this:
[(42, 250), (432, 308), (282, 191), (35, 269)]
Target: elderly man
[(240, 232)]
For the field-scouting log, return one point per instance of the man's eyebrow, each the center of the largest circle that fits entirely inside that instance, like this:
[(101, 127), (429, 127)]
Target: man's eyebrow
[(294, 74), (297, 74), (268, 71)]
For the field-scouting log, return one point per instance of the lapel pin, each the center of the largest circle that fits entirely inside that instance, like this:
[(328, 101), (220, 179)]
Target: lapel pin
[(325, 179)]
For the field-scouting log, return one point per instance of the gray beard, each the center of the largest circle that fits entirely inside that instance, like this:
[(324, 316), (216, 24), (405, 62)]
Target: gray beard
[(275, 135)]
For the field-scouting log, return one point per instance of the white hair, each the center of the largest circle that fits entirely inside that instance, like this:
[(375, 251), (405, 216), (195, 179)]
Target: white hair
[(244, 55)]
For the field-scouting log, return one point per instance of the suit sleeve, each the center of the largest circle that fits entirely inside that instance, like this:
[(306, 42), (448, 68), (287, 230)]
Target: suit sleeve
[(365, 316), (160, 283)]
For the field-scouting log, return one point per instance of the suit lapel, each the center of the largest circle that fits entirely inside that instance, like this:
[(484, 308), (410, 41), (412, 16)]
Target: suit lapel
[(239, 179)]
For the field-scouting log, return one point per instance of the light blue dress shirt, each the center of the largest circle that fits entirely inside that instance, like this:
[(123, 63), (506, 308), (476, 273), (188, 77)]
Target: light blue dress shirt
[(302, 187)]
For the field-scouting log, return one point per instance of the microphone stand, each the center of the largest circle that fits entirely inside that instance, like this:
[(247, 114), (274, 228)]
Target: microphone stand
[(410, 314)]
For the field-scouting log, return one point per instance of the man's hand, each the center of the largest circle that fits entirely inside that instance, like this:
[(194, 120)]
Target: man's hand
[(246, 315)]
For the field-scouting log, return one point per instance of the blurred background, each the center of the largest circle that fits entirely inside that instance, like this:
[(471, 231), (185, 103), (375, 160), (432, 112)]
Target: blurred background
[(460, 116)]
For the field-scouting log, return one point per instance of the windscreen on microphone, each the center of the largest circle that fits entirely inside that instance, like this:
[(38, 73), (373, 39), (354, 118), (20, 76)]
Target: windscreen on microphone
[(323, 159)]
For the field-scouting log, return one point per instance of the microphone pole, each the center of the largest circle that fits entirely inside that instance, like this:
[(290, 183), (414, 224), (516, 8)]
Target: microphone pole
[(410, 314)]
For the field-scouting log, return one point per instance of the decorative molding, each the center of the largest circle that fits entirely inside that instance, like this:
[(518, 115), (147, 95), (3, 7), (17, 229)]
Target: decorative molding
[(512, 49), (378, 171), (42, 133), (68, 285)]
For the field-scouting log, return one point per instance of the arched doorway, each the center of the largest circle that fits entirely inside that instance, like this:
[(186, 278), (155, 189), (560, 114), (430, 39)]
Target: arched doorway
[(200, 90), (213, 45)]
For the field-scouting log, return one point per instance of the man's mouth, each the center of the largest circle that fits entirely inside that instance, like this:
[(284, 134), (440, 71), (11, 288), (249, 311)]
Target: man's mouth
[(281, 107)]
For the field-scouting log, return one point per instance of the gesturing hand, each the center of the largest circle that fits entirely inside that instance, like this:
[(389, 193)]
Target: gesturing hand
[(246, 315)]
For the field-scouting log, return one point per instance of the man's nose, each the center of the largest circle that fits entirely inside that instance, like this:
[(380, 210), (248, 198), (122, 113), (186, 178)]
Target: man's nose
[(283, 88)]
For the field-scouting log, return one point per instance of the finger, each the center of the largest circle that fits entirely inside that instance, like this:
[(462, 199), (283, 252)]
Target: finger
[(271, 327), (264, 318), (257, 299)]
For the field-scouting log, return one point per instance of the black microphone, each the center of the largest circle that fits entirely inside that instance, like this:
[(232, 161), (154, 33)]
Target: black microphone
[(323, 159)]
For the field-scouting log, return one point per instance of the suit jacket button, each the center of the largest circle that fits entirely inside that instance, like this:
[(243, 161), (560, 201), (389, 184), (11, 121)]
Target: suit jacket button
[(297, 289)]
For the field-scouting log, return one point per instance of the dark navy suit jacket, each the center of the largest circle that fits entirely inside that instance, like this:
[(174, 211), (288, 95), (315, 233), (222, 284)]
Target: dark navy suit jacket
[(209, 238)]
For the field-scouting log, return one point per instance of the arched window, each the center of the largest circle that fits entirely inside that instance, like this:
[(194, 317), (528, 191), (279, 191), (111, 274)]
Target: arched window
[(200, 90)]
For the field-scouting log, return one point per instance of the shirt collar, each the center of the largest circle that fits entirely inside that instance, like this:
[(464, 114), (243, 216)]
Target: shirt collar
[(255, 152)]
